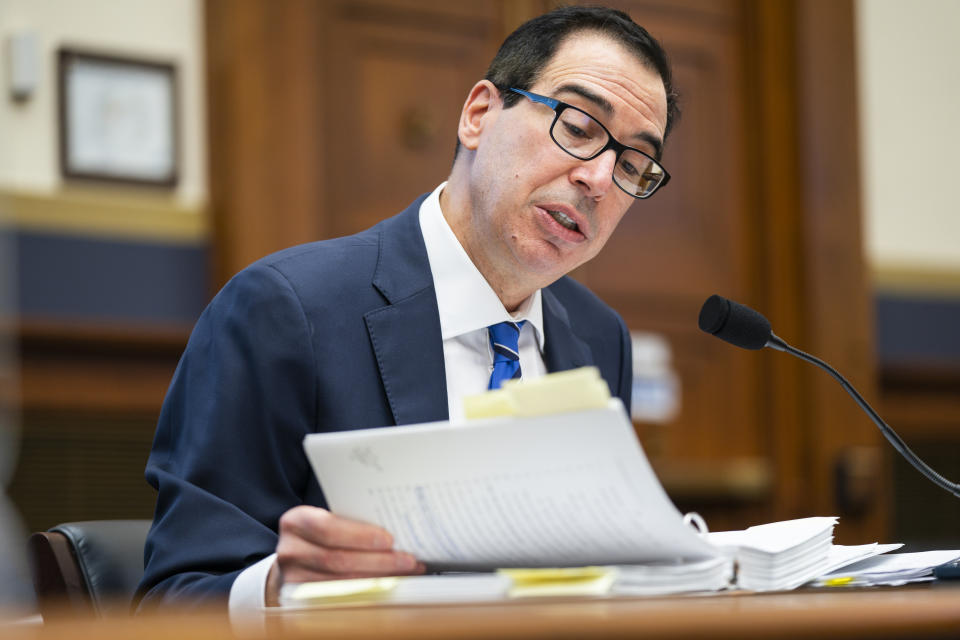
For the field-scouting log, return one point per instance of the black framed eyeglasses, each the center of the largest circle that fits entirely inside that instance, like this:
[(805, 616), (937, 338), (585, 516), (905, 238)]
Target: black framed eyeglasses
[(584, 138)]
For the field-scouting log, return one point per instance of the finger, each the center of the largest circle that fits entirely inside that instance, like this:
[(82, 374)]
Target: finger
[(325, 529), (294, 553), (313, 576), (306, 575), (310, 576)]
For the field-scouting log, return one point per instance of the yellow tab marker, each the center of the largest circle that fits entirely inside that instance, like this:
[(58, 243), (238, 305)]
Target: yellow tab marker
[(574, 390), (574, 581), (838, 582), (492, 404), (339, 591)]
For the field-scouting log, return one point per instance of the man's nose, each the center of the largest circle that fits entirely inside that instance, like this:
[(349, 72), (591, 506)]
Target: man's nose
[(595, 176)]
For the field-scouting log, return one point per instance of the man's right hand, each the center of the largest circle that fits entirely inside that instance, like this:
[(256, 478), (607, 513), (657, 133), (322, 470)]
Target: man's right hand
[(315, 544)]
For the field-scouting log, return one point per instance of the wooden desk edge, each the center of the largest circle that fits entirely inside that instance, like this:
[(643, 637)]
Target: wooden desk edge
[(875, 613)]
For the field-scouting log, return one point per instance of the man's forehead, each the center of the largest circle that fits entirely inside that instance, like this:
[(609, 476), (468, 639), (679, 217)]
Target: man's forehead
[(611, 79), (587, 48)]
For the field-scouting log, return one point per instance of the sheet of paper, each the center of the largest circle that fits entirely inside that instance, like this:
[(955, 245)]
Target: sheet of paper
[(844, 555), (558, 490), (447, 588), (775, 537), (712, 574), (894, 563)]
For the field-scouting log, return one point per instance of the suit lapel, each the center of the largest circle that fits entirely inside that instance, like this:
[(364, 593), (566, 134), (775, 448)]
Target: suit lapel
[(563, 349), (405, 334)]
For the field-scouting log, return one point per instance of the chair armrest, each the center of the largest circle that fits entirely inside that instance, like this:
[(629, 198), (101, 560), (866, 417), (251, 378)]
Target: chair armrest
[(60, 585)]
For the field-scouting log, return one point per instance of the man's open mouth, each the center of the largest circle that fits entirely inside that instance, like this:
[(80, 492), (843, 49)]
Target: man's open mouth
[(564, 220)]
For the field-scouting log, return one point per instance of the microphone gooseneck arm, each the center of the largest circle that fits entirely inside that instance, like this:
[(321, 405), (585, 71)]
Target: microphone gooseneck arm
[(780, 345), (749, 329)]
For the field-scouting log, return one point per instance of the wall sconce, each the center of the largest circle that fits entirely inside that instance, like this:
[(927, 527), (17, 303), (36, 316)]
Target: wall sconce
[(23, 51)]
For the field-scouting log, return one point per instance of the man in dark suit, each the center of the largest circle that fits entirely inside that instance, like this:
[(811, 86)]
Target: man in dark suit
[(395, 325)]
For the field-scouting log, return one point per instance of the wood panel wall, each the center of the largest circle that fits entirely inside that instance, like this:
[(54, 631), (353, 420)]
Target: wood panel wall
[(86, 399), (836, 304)]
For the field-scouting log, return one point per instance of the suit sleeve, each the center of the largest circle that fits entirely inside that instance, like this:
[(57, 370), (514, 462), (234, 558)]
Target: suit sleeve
[(227, 459)]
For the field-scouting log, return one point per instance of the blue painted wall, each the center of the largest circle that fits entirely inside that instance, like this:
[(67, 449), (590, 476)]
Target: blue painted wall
[(71, 277), (63, 276), (917, 330)]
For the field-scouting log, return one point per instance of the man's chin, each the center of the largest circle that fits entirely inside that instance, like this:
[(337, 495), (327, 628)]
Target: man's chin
[(547, 267)]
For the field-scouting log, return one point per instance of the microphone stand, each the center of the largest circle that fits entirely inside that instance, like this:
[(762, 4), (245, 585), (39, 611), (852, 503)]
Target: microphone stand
[(777, 343)]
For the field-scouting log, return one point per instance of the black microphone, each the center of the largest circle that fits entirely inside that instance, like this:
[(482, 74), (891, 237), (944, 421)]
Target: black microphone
[(742, 326)]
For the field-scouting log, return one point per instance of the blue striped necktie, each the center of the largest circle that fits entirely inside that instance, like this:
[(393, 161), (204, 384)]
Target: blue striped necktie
[(505, 339)]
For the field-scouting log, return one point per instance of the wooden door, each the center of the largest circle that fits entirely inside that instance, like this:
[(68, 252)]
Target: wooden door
[(402, 72)]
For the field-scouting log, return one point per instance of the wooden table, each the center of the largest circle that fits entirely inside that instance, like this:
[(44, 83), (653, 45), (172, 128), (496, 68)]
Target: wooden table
[(911, 612)]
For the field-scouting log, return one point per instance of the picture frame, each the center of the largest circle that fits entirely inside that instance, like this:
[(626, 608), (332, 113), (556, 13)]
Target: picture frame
[(118, 119)]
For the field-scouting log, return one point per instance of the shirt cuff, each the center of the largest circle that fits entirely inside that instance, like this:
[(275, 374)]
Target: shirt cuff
[(248, 593)]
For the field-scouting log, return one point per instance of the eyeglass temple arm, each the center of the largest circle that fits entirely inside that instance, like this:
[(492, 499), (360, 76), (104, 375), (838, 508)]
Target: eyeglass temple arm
[(550, 102)]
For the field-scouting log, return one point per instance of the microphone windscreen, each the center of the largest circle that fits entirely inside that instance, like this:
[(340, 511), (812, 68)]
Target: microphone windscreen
[(737, 324)]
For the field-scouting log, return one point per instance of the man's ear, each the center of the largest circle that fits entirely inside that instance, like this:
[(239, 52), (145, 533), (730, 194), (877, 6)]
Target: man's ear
[(483, 99)]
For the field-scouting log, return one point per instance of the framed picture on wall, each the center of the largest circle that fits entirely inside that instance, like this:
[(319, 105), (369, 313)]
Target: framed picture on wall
[(118, 119)]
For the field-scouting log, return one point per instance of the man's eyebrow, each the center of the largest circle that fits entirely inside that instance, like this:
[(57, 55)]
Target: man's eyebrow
[(653, 141), (604, 105), (600, 101)]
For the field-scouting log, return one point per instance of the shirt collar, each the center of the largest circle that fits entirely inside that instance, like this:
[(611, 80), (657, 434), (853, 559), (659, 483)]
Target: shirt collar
[(464, 297)]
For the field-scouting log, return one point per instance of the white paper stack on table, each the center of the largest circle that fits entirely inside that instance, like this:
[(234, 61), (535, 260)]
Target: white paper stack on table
[(523, 486), (843, 555), (780, 555), (429, 589), (712, 574), (893, 570)]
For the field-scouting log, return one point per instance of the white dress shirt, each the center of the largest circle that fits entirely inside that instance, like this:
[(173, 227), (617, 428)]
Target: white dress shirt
[(467, 305)]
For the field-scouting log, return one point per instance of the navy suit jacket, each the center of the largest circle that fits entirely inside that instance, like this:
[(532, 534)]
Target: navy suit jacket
[(334, 335)]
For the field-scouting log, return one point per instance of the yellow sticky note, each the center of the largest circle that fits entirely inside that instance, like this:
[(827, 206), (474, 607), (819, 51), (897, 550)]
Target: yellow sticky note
[(491, 404), (838, 582), (338, 590), (574, 390), (582, 581)]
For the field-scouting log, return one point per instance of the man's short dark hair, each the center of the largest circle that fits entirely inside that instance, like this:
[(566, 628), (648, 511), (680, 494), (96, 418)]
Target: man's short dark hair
[(526, 51)]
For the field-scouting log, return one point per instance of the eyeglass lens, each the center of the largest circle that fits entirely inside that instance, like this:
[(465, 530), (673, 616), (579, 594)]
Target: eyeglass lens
[(582, 136)]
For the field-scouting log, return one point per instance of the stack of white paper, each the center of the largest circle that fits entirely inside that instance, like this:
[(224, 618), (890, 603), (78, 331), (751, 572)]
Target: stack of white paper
[(780, 555), (844, 555), (651, 579), (660, 578), (450, 588), (569, 489), (894, 569)]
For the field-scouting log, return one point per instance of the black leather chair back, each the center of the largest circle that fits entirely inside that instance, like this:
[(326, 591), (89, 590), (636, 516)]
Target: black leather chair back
[(88, 568)]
